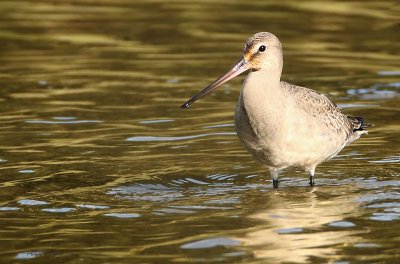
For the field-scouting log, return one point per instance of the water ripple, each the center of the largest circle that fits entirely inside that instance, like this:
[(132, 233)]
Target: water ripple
[(63, 122), (389, 73), (119, 215), (211, 242), (92, 206), (156, 121), (150, 138), (58, 210), (9, 208), (32, 202)]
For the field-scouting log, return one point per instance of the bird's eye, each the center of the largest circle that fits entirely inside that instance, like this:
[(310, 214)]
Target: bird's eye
[(262, 48)]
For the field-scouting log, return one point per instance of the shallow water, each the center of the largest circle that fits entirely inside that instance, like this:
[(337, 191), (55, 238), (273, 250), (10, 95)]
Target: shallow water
[(100, 165)]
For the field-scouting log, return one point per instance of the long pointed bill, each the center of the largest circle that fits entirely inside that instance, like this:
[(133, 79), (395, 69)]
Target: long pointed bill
[(239, 68)]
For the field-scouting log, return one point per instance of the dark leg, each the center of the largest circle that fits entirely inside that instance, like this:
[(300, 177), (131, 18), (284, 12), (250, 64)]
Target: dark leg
[(274, 174), (312, 181), (312, 171), (275, 183)]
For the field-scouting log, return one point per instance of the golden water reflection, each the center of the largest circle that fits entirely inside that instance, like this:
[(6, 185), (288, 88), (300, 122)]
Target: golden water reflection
[(92, 136), (295, 231)]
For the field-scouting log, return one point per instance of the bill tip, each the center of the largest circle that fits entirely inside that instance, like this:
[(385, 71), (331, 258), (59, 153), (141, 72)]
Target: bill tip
[(185, 105)]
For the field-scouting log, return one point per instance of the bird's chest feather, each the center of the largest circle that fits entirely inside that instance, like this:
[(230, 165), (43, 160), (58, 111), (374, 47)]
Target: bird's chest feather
[(262, 109), (258, 122)]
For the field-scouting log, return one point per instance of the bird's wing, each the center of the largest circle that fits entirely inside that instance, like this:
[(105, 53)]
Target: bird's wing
[(324, 110), (319, 107)]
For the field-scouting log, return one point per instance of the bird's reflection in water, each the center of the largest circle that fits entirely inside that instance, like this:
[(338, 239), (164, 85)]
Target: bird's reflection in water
[(294, 231)]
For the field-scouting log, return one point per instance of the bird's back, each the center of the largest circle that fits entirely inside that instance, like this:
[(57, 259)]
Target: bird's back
[(324, 111)]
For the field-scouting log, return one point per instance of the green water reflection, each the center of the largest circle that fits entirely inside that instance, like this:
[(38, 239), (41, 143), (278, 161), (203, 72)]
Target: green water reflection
[(100, 165)]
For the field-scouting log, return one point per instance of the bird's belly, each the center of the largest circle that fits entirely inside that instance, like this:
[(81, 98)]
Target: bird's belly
[(298, 145)]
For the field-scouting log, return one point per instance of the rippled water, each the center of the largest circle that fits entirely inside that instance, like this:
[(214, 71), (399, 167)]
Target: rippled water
[(100, 165)]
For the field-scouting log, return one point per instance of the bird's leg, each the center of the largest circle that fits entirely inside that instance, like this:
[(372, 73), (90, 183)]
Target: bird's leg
[(312, 181), (312, 171), (275, 183), (274, 174)]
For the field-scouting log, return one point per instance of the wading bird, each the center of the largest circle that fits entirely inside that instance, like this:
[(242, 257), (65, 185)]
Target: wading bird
[(283, 125)]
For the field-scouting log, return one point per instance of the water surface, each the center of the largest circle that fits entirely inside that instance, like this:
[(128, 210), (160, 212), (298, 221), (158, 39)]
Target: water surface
[(99, 164)]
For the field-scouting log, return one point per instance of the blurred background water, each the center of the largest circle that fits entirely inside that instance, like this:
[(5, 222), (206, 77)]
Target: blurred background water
[(98, 163)]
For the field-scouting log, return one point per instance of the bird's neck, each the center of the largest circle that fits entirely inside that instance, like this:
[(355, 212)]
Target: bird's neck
[(261, 89), (263, 99)]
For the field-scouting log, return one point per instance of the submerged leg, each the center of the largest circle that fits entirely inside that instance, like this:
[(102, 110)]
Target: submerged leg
[(275, 183), (312, 171), (274, 174)]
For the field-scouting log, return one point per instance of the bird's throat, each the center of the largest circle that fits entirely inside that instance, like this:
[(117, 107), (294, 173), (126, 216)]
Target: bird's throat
[(263, 100)]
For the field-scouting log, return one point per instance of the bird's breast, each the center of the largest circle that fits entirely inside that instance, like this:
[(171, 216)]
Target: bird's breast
[(256, 130)]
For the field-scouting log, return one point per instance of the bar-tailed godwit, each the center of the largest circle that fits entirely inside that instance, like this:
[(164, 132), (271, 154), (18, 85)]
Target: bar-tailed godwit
[(283, 125)]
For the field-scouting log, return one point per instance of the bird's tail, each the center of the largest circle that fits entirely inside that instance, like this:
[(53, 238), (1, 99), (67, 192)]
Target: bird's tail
[(358, 123)]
